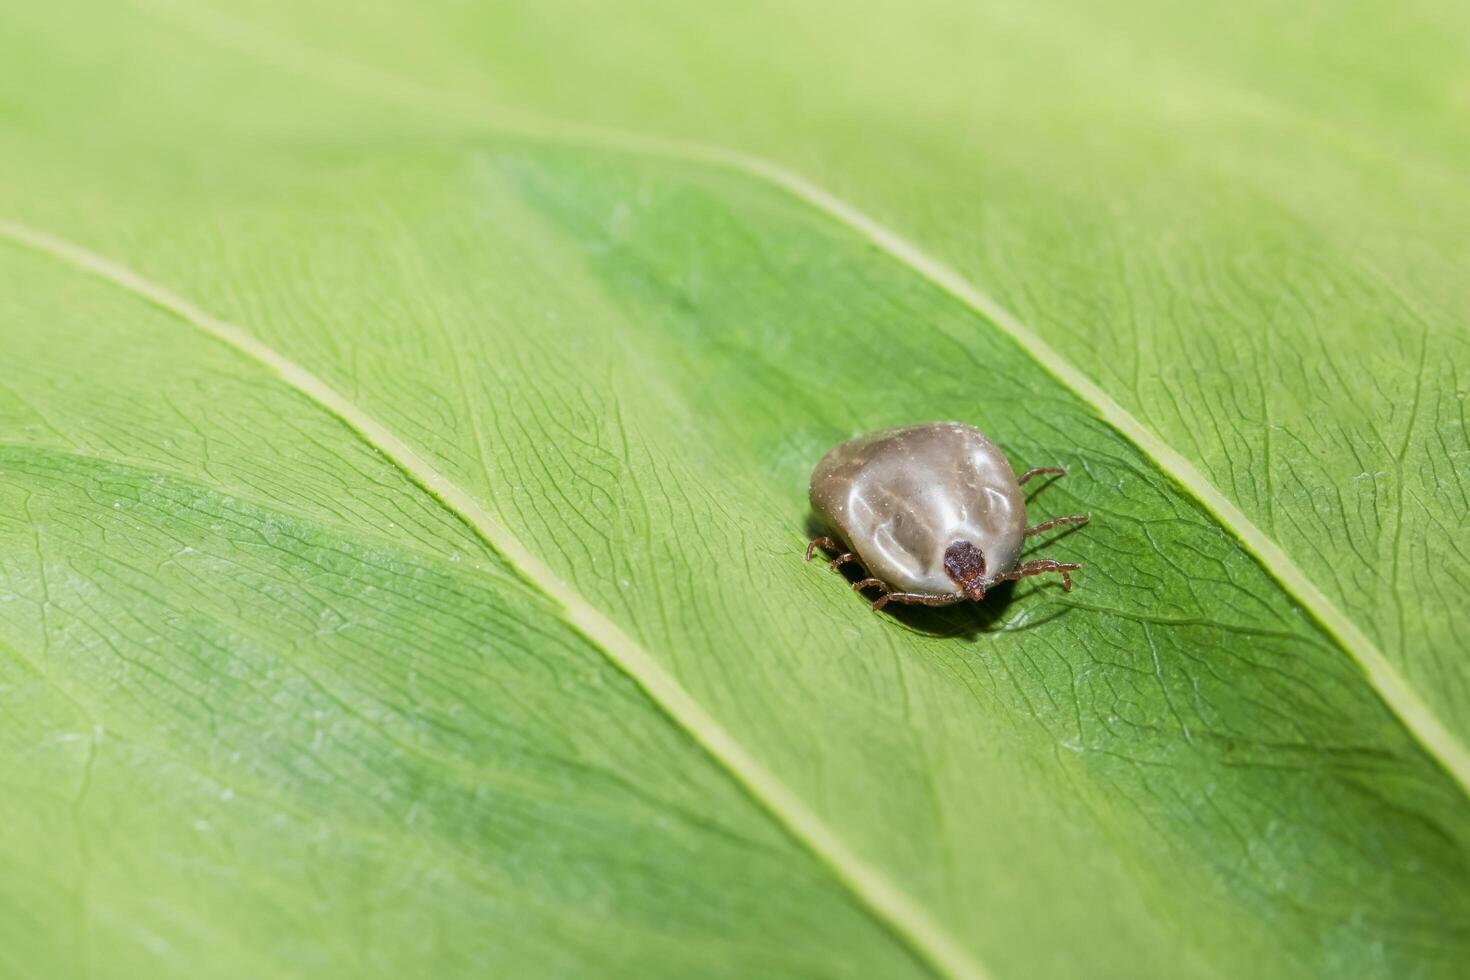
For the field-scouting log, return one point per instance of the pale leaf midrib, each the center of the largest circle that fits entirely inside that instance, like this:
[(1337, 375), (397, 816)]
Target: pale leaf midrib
[(1422, 723), (252, 497), (885, 900)]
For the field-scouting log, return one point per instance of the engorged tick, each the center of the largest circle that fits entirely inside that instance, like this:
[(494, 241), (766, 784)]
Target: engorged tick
[(932, 513)]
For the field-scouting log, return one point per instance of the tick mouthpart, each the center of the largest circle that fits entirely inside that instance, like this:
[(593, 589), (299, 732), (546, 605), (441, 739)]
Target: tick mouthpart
[(965, 565)]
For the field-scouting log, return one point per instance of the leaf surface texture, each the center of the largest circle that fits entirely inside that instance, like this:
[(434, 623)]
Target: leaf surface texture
[(380, 672)]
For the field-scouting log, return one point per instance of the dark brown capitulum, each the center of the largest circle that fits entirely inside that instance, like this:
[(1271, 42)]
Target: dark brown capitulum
[(965, 564)]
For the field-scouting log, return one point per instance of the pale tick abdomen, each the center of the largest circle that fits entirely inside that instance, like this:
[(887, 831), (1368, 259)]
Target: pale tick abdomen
[(899, 498)]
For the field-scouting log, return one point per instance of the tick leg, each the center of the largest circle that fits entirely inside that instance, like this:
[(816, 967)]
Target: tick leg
[(1040, 567), (866, 583), (846, 557), (917, 598), (1040, 471), (1057, 522), (816, 543)]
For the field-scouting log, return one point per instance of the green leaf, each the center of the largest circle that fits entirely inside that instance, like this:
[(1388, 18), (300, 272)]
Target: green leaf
[(401, 499)]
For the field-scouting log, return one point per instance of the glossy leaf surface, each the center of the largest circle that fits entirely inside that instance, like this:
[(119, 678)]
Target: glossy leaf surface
[(403, 502)]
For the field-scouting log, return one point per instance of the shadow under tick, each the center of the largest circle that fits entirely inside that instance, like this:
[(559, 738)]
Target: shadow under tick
[(971, 620), (965, 620)]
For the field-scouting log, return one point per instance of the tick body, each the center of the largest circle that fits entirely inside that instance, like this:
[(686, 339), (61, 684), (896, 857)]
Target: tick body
[(933, 513)]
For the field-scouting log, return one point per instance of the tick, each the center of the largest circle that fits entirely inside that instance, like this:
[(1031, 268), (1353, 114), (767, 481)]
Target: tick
[(933, 514)]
